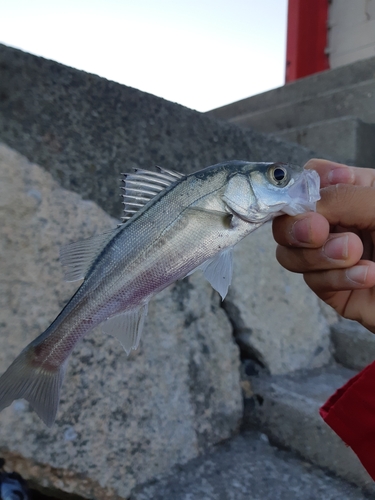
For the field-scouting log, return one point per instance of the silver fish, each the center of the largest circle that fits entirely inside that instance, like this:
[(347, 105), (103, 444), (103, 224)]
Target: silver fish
[(173, 225)]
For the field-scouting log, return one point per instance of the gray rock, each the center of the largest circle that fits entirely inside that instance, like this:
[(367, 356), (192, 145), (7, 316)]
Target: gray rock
[(354, 345), (276, 317), (329, 313), (248, 468), (121, 421)]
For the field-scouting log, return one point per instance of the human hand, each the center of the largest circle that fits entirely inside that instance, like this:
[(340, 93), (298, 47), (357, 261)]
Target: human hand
[(334, 248)]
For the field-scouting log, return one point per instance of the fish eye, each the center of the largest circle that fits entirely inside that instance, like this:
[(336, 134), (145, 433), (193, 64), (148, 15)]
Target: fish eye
[(278, 175)]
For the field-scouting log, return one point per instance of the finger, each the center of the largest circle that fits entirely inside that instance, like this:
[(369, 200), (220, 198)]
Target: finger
[(339, 251), (335, 173), (309, 230), (331, 172), (333, 286), (348, 206)]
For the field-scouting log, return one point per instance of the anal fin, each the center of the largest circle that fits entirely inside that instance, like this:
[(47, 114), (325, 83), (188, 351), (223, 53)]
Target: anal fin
[(127, 327)]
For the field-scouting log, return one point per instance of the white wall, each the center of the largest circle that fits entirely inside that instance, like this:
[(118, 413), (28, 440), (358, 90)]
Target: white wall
[(351, 35)]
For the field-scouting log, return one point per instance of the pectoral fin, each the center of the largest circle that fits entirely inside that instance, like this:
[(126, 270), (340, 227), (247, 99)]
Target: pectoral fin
[(127, 327), (218, 271)]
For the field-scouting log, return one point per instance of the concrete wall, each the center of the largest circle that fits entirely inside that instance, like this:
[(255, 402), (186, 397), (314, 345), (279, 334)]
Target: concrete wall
[(331, 112), (351, 31)]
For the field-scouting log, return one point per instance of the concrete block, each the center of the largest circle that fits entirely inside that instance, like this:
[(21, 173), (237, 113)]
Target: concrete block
[(347, 139), (357, 100), (354, 345), (339, 80), (287, 409), (365, 52), (122, 421)]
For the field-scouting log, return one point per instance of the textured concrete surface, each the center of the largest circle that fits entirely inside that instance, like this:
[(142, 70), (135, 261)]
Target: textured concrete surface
[(332, 112), (354, 345), (86, 130), (325, 84), (276, 317), (122, 420), (287, 409), (348, 139), (357, 100), (324, 112), (244, 468)]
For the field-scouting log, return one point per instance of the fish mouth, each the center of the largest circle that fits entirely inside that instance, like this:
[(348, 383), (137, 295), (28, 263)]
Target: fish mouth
[(304, 194)]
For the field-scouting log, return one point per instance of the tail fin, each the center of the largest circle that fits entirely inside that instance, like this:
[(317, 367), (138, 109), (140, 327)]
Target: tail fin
[(37, 384)]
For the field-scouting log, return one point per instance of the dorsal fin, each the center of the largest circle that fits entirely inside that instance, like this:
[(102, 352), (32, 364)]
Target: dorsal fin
[(142, 185)]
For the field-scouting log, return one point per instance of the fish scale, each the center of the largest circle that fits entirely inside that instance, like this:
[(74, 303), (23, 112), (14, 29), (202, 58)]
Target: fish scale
[(184, 223)]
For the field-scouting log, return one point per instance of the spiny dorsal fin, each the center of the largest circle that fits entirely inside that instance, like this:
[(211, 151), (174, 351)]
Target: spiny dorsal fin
[(142, 185), (76, 258)]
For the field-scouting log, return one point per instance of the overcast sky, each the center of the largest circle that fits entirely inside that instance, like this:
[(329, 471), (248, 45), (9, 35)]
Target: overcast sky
[(200, 53)]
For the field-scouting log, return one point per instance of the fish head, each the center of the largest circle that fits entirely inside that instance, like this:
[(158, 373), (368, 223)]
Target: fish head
[(260, 191)]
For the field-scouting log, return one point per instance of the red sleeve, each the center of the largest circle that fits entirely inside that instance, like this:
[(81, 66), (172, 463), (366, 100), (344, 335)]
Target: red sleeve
[(351, 414)]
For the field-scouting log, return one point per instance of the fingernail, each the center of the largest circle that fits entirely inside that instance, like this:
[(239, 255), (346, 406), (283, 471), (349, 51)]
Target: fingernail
[(301, 231), (357, 274), (340, 175), (337, 248)]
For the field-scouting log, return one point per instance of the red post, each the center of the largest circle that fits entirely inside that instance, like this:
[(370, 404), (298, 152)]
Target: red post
[(306, 38)]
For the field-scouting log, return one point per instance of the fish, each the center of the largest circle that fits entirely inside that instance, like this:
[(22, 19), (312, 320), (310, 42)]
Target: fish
[(173, 224)]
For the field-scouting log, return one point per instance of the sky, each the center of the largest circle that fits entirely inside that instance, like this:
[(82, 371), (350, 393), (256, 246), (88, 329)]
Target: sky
[(202, 54)]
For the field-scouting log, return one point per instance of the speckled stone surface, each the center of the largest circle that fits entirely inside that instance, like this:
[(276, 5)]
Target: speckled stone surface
[(354, 345), (122, 421), (248, 468), (277, 318), (86, 130), (286, 407)]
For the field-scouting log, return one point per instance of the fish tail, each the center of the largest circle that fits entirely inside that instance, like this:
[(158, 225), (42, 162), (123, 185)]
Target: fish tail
[(37, 384)]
